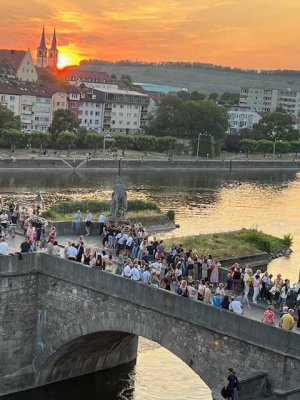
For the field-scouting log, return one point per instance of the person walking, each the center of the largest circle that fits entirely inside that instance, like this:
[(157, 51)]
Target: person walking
[(229, 386), (77, 222), (88, 222), (256, 286), (101, 220)]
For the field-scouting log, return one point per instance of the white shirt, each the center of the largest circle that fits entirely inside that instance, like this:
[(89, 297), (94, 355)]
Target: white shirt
[(3, 248), (72, 252), (146, 276), (129, 241), (236, 307), (89, 217), (127, 271), (101, 219), (136, 276)]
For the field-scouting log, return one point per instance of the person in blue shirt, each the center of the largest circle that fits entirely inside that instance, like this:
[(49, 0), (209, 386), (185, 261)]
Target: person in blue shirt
[(217, 300)]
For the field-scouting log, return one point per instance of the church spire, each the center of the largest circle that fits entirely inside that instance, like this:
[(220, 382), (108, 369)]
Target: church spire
[(43, 40), (54, 45), (41, 56)]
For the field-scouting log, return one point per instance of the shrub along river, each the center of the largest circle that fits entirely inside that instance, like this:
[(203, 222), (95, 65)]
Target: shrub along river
[(205, 202)]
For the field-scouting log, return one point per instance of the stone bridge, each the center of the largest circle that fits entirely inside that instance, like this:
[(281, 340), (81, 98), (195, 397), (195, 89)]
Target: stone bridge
[(60, 319)]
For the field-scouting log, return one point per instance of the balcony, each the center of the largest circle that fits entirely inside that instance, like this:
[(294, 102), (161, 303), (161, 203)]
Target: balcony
[(27, 112)]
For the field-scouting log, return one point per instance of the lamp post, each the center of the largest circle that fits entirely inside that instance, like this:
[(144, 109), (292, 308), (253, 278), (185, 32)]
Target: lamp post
[(274, 143), (198, 145)]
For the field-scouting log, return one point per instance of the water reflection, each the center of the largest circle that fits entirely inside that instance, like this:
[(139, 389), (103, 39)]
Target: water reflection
[(157, 374)]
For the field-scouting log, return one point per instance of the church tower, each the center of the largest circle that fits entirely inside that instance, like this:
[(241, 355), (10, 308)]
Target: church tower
[(53, 53), (41, 59)]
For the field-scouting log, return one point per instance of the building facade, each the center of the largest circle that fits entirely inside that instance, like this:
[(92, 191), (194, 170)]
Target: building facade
[(241, 118), (270, 100), (17, 64)]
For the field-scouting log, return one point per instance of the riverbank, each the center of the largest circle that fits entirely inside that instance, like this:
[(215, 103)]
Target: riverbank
[(121, 164)]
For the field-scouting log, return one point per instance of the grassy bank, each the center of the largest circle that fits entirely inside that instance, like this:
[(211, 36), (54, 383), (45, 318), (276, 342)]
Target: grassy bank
[(65, 210), (232, 244)]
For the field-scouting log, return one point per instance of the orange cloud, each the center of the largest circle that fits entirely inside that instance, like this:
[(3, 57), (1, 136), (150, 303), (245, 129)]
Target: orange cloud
[(255, 34)]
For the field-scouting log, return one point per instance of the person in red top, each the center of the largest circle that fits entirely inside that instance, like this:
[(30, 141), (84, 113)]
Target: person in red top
[(52, 234), (269, 316)]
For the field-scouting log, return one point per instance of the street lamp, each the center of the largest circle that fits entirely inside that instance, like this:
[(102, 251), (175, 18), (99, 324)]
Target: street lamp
[(198, 145), (274, 143)]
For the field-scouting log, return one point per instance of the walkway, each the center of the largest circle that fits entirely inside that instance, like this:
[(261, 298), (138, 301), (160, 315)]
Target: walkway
[(255, 312)]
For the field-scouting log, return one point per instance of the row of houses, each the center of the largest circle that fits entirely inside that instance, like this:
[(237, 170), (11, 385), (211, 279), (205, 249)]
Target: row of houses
[(116, 110)]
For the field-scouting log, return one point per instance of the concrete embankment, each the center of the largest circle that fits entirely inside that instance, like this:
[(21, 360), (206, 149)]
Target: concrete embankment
[(126, 164)]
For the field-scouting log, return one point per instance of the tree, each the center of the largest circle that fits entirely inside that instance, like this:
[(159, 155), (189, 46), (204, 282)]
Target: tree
[(282, 147), (127, 80), (264, 146), (123, 142), (213, 96), (94, 140), (8, 120), (80, 137), (295, 147), (248, 146), (11, 138), (277, 125), (196, 96), (184, 95), (40, 139), (165, 143), (230, 99), (145, 143), (67, 140), (63, 120)]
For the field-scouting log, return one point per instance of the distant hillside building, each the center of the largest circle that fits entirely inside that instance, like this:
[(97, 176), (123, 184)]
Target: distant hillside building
[(47, 58), (93, 79), (269, 100), (242, 118), (17, 64)]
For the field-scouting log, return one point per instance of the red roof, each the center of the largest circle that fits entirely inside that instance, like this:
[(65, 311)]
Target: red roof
[(83, 75), (12, 57)]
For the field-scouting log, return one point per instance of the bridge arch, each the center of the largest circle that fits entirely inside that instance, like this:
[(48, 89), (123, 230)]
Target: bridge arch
[(105, 342)]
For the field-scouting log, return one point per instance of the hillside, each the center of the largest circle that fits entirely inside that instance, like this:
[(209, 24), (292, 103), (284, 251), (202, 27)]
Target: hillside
[(205, 80)]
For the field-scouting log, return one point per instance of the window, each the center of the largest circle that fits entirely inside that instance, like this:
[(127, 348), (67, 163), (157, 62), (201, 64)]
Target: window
[(97, 113), (128, 123), (12, 98), (120, 114), (120, 122), (86, 113), (57, 104), (73, 104), (96, 121), (91, 112), (91, 121), (85, 121), (113, 121)]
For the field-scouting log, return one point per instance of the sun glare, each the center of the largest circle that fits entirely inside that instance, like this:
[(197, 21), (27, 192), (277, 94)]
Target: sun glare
[(64, 60)]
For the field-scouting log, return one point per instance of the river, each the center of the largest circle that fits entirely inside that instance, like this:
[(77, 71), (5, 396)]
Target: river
[(205, 201)]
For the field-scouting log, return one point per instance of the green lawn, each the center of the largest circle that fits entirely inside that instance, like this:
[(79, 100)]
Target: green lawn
[(230, 244)]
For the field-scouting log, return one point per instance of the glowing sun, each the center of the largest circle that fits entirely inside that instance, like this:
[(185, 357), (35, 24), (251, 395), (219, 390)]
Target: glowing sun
[(64, 60)]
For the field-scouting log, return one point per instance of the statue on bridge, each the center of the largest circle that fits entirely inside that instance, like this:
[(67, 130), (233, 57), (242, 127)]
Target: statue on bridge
[(118, 201)]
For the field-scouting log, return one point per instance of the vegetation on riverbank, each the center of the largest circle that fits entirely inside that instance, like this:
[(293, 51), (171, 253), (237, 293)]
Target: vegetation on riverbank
[(233, 244), (65, 210)]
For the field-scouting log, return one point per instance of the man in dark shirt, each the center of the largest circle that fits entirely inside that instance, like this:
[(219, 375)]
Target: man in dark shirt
[(25, 246), (230, 385)]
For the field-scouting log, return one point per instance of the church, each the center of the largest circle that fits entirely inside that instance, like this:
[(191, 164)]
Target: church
[(47, 58)]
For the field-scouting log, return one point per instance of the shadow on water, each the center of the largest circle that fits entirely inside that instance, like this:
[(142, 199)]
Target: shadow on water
[(115, 384), (183, 179)]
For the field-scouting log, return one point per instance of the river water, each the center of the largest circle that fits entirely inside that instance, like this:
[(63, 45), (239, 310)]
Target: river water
[(205, 201)]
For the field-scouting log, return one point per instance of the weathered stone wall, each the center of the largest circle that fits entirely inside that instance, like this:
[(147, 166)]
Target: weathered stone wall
[(88, 319), (18, 294)]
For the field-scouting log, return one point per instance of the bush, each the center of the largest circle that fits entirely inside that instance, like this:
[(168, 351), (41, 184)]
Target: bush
[(288, 240), (262, 241), (96, 206), (171, 215)]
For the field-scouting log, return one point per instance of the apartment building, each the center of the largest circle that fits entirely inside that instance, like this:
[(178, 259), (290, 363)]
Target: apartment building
[(124, 111), (92, 79), (91, 110), (269, 100), (240, 117)]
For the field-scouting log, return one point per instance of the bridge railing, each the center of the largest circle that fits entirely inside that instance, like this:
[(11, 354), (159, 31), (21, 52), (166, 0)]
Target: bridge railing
[(156, 299)]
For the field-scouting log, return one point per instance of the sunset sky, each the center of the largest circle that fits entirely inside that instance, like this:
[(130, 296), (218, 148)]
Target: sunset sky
[(244, 33)]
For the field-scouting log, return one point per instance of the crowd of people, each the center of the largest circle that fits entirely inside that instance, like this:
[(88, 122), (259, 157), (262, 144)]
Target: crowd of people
[(126, 249)]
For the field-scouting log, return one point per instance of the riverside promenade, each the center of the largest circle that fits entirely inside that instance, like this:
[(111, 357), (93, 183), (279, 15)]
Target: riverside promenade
[(144, 163)]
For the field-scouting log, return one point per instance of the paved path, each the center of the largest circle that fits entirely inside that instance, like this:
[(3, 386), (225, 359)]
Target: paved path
[(255, 312)]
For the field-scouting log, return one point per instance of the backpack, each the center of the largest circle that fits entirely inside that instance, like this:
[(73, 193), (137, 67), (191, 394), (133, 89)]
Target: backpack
[(179, 290)]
